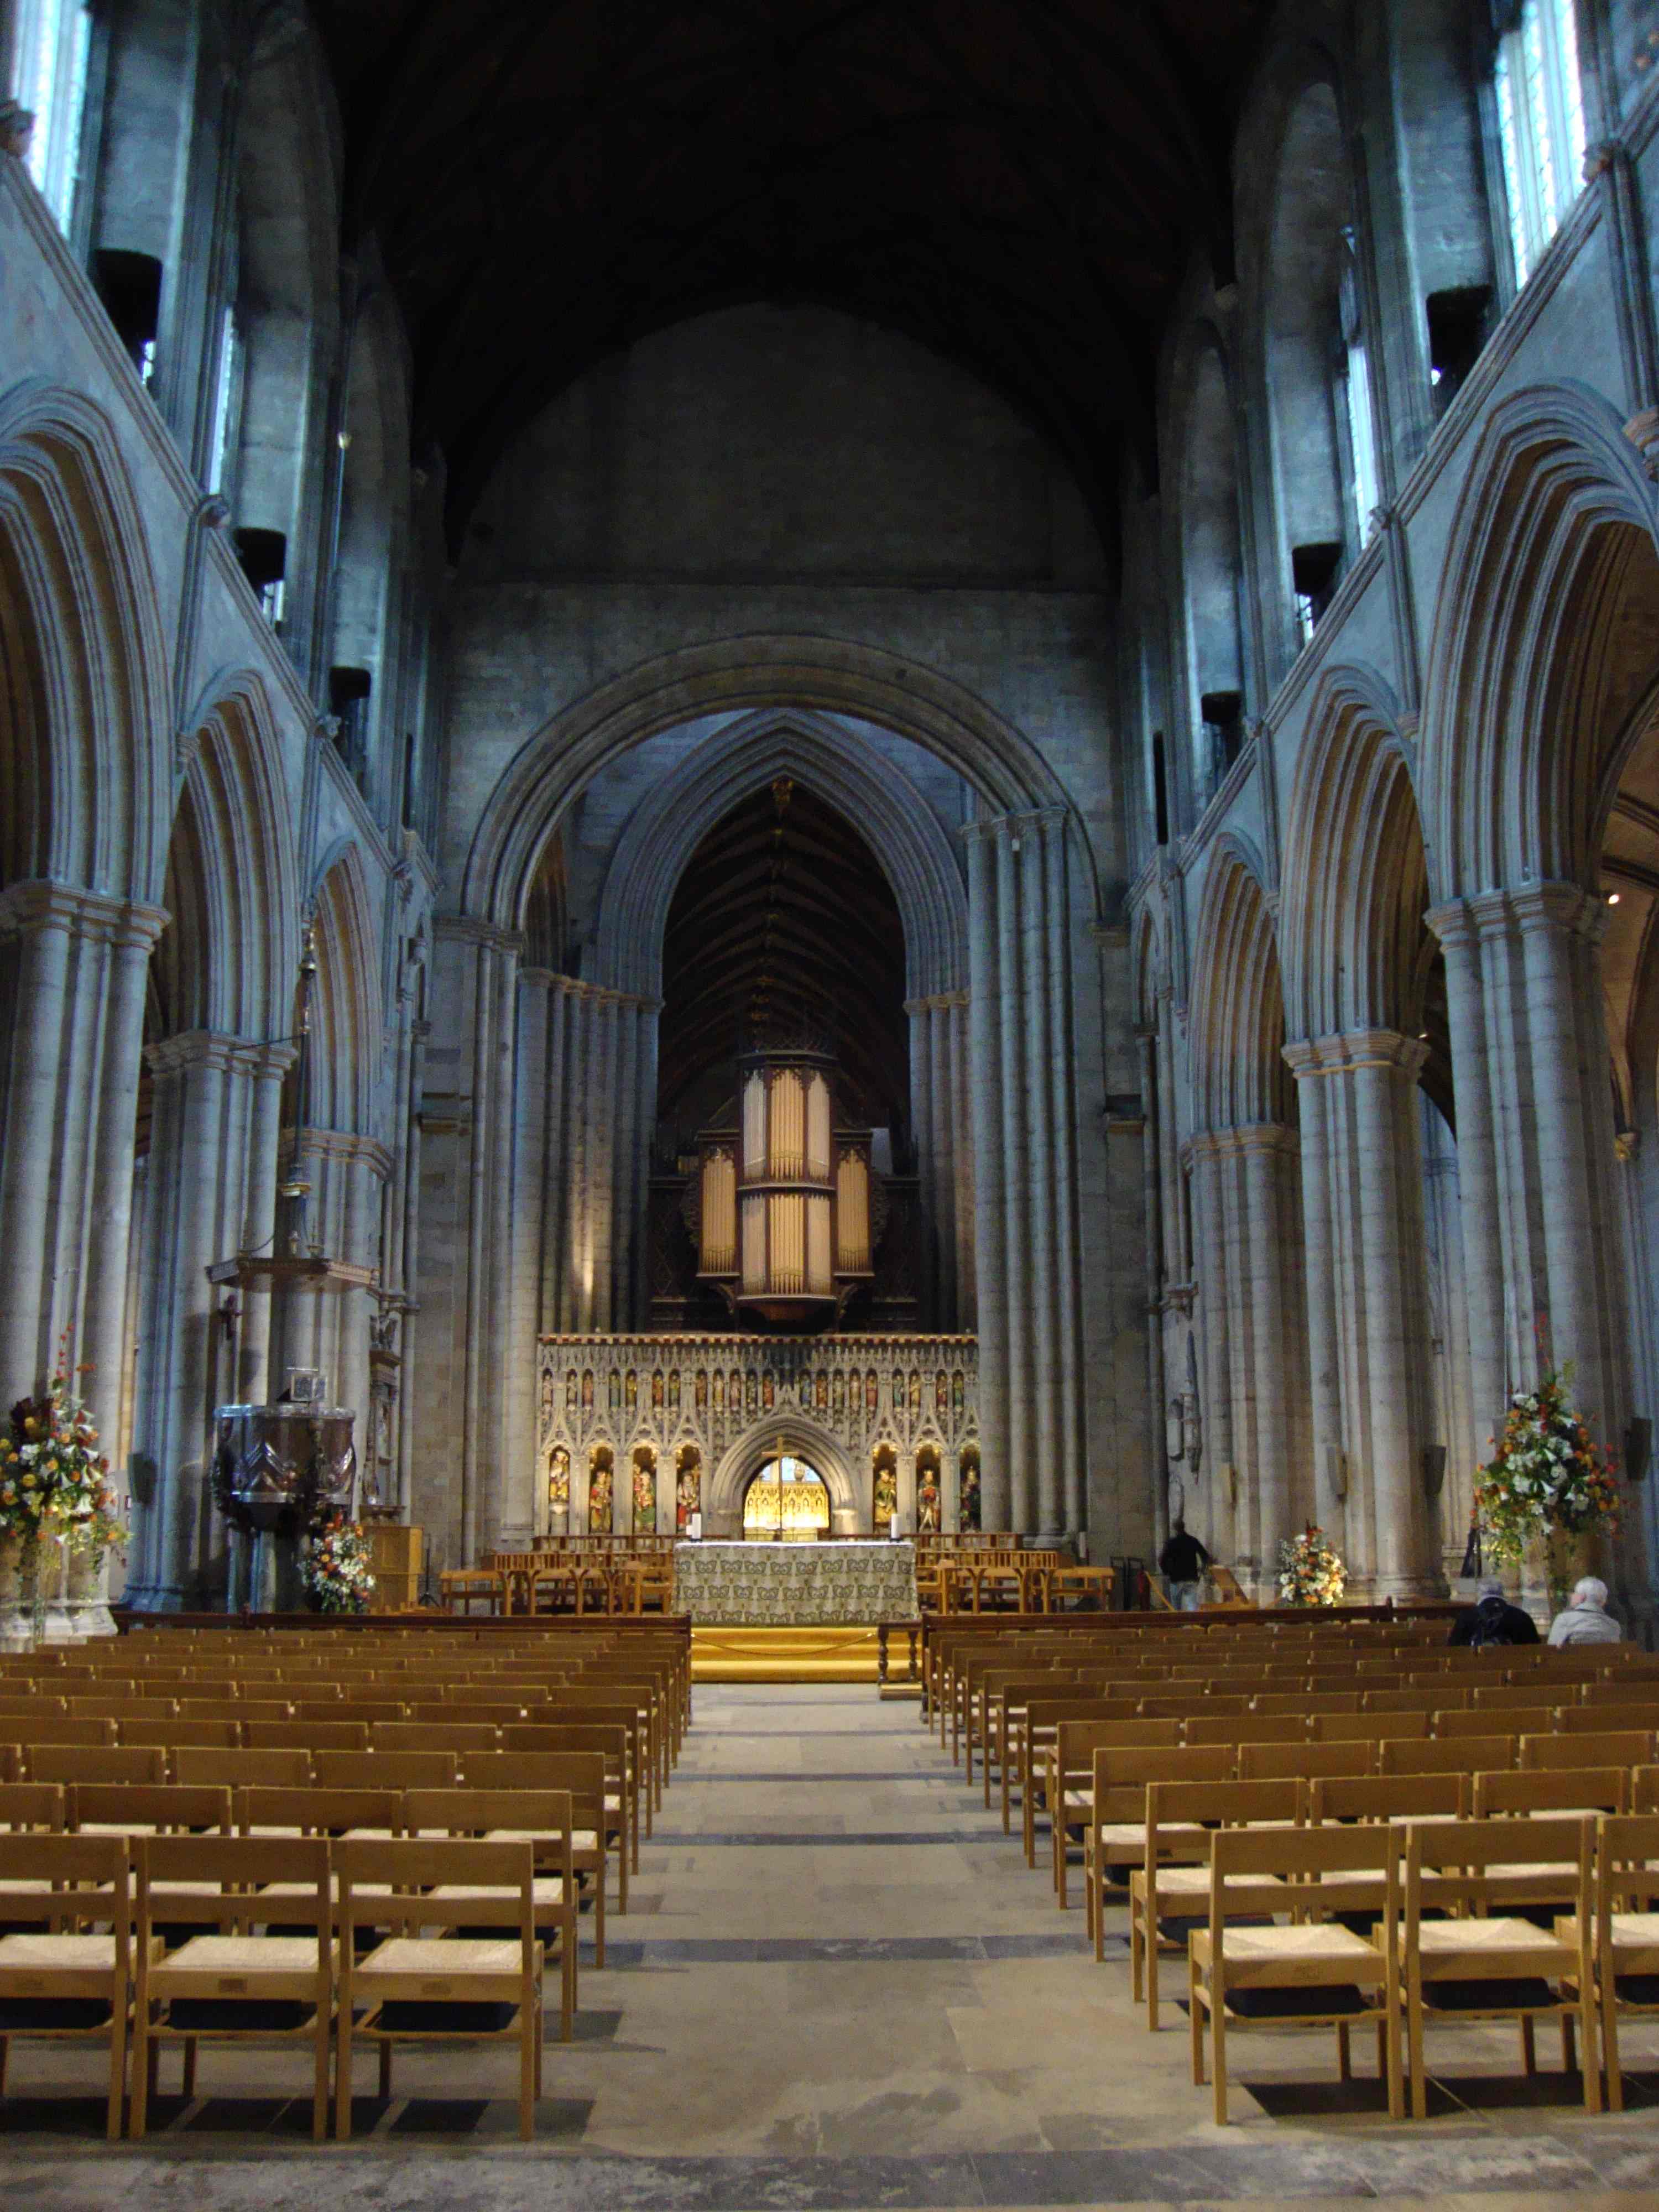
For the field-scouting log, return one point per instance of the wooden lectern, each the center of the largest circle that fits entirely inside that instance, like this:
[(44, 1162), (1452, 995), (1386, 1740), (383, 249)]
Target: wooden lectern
[(397, 1554)]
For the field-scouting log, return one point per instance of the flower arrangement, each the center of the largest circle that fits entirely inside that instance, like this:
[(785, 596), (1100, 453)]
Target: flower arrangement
[(1310, 1571), (335, 1569), (1547, 1478), (53, 1479)]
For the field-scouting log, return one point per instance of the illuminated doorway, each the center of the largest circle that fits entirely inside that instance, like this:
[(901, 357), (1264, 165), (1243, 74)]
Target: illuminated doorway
[(787, 1502)]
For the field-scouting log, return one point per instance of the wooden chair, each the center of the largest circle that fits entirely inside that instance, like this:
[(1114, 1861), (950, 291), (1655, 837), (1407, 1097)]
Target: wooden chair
[(236, 1986), (1384, 1797), (544, 1819), (434, 1735), (170, 1735), (1115, 1832), (62, 1985), (1464, 1755), (1494, 1720), (1248, 1727), (318, 1811), (366, 1709), (1310, 1973), (1067, 1787), (94, 1763), (126, 1808), (1370, 1728), (1623, 1747), (580, 1775), (1267, 1762), (1625, 1949), (621, 1790), (88, 1730), (1605, 1714), (1552, 1790), (1175, 1869), (416, 1990), (1470, 1870), (117, 1709), (242, 1769)]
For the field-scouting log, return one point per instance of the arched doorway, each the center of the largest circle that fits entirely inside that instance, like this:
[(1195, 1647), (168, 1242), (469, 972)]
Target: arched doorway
[(788, 1501)]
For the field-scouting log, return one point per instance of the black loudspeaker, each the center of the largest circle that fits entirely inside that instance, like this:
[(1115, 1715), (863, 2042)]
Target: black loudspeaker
[(1638, 1448)]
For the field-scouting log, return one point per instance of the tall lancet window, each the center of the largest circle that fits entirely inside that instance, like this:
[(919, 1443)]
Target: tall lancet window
[(1541, 124), (1364, 487), (51, 41)]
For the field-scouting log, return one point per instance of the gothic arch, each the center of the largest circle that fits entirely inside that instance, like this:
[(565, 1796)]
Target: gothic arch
[(765, 673), (84, 718), (235, 864), (1211, 539), (1356, 877), (1238, 1001), (902, 831), (348, 1017), (782, 1432), (1514, 723)]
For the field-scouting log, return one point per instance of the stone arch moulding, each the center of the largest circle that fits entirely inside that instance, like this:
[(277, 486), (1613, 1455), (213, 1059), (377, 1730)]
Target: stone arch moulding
[(762, 672), (1237, 1017), (906, 836), (69, 515), (1504, 798), (1353, 800), (722, 1495), (352, 1015)]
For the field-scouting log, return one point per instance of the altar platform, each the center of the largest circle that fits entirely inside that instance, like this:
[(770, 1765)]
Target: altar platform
[(848, 1584), (785, 1654)]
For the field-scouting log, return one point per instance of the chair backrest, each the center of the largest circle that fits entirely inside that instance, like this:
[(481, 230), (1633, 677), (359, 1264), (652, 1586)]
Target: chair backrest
[(1390, 1797), (385, 1769), (1494, 1720), (32, 1805), (1467, 1866), (200, 1736), (1210, 1805), (239, 1769), (136, 1806), (1263, 1762), (50, 1762), (318, 1811), (368, 1709), (1303, 1702), (88, 1728), (461, 1880), (27, 1860), (15, 1705), (1623, 1747), (307, 1736), (1608, 1714), (208, 1877), (1464, 1755), (1553, 1789), (1120, 1775), (1248, 1727), (1627, 1868), (579, 1773), (540, 1813), (1370, 1728), (1248, 1866), (110, 1706), (434, 1735)]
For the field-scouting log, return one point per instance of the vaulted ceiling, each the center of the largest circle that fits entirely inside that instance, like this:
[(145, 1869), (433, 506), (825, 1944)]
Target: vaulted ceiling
[(782, 927), (1016, 183)]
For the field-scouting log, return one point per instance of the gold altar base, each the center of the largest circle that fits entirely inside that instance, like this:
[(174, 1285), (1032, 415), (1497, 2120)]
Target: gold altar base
[(783, 1654)]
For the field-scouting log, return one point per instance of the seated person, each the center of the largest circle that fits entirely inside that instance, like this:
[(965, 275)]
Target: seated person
[(1585, 1619), (1492, 1620)]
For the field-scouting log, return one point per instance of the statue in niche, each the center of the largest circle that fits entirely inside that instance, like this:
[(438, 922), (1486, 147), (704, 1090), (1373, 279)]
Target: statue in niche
[(688, 1489), (719, 1389), (700, 1390), (941, 1392), (970, 1491), (656, 1391), (886, 1503), (599, 1498), (734, 1393), (898, 1389), (645, 1493), (571, 1387), (673, 1389), (871, 1391), (616, 1390), (928, 1501), (838, 1391), (588, 1389), (915, 1390), (958, 1391), (546, 1394), (558, 1480), (821, 1390), (631, 1390), (751, 1394), (768, 1393)]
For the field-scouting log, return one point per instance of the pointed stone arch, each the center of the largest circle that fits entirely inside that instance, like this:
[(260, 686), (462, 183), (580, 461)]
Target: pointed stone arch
[(348, 1023), (800, 1438), (1237, 1023)]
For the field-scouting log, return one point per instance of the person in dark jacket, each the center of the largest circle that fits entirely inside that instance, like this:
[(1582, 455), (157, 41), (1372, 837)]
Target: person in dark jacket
[(1181, 1562), (1492, 1620)]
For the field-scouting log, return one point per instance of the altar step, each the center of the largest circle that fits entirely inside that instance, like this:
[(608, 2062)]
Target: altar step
[(783, 1654)]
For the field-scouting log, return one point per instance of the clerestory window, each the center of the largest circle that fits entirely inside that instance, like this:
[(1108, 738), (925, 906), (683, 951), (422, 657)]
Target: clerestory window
[(1541, 124), (49, 50)]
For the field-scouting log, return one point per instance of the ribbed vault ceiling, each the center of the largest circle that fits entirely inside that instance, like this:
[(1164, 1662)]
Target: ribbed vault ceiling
[(784, 926), (1016, 183)]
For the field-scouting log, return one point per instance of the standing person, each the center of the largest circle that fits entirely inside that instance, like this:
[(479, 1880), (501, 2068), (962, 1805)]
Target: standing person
[(1492, 1620), (1181, 1562), (1585, 1619)]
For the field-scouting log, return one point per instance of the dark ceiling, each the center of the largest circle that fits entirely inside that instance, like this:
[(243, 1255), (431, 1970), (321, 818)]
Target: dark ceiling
[(1016, 183), (782, 927)]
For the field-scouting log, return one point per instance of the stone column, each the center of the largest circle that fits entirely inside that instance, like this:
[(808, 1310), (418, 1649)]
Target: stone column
[(1209, 1507), (1367, 1297), (985, 1050)]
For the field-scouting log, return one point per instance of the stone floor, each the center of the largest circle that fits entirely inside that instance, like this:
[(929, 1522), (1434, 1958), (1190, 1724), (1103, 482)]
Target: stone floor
[(840, 1986)]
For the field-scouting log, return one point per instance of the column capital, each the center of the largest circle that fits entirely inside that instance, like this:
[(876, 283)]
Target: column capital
[(1479, 915), (1038, 818), (470, 929), (1244, 1137), (226, 1055), (938, 1002), (1344, 1050), (41, 903), (340, 1144), (595, 994)]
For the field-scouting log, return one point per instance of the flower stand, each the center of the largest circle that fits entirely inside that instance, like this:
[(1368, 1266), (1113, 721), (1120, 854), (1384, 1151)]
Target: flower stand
[(86, 1595), (16, 1628)]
